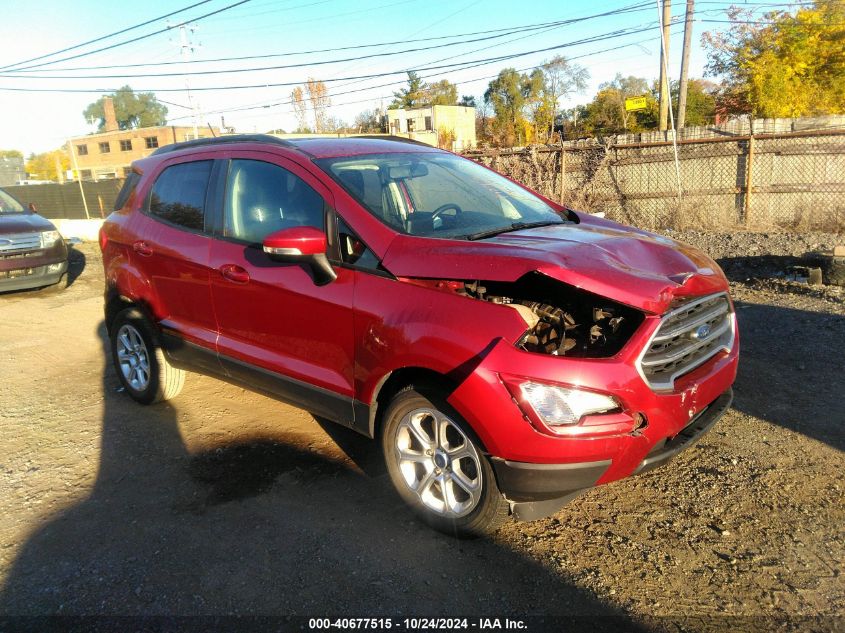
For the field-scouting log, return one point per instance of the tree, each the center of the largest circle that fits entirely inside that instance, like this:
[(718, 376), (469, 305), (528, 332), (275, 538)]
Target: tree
[(505, 95), (560, 78), (368, 121), (781, 65), (468, 101), (48, 165), (300, 110), (442, 92), (318, 95), (411, 97), (10, 153), (701, 102), (606, 113), (131, 110)]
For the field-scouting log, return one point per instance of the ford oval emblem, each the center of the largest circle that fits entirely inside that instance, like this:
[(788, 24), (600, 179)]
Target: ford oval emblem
[(702, 332)]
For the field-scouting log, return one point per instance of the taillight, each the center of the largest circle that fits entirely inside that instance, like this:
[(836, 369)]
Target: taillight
[(103, 239)]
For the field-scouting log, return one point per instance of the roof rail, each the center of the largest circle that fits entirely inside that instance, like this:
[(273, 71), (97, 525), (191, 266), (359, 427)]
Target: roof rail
[(218, 140), (391, 137)]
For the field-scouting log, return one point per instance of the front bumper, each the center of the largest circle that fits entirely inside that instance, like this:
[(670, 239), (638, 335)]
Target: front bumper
[(538, 490), (32, 277)]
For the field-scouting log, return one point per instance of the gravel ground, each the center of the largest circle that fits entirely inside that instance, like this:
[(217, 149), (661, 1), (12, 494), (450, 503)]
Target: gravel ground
[(226, 502)]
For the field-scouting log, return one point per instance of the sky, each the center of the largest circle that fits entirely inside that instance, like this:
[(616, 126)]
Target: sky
[(289, 31)]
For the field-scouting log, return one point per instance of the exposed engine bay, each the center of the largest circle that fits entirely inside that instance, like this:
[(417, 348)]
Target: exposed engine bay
[(562, 320)]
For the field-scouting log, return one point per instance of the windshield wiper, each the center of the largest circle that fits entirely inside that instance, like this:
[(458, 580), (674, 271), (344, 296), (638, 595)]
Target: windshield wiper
[(516, 226)]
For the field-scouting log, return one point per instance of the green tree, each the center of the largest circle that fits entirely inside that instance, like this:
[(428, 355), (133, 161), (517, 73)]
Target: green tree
[(506, 95), (606, 113), (411, 97), (10, 153), (781, 65), (467, 101), (131, 110), (701, 102), (442, 92)]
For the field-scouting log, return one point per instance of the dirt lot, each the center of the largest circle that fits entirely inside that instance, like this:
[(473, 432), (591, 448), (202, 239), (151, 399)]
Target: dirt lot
[(227, 502)]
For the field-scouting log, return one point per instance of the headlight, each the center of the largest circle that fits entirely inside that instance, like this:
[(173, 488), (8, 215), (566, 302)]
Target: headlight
[(49, 238), (559, 406)]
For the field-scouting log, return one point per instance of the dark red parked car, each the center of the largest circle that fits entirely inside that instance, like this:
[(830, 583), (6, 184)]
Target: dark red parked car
[(32, 252), (506, 352)]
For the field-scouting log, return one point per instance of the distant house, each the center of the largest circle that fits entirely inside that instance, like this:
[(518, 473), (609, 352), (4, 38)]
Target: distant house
[(11, 171), (449, 127), (110, 154)]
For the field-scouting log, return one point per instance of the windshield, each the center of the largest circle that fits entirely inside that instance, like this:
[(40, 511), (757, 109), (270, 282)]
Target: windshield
[(8, 204), (438, 195)]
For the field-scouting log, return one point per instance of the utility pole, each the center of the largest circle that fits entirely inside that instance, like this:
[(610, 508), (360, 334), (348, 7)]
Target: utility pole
[(187, 49), (682, 93), (665, 95)]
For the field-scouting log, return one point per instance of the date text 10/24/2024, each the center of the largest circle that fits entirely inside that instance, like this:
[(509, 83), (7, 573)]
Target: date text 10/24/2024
[(417, 624)]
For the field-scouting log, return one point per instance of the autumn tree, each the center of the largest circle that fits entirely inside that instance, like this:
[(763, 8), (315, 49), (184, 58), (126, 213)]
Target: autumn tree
[(505, 95), (558, 79), (10, 153), (300, 110), (368, 121), (132, 110), (48, 165), (780, 64), (318, 97)]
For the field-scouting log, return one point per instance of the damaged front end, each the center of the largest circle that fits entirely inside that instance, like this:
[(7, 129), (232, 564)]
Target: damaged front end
[(562, 320)]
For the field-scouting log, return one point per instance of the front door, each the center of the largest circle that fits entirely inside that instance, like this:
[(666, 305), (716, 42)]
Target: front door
[(278, 330)]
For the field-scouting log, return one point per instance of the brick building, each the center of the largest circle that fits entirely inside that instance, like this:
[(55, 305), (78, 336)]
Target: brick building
[(109, 154)]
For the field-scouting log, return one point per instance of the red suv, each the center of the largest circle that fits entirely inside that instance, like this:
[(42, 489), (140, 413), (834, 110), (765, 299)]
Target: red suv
[(507, 352)]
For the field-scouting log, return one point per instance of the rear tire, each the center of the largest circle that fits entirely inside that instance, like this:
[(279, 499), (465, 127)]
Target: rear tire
[(140, 363), (438, 467)]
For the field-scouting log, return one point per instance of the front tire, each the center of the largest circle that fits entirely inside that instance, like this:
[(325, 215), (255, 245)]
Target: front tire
[(139, 360), (438, 466)]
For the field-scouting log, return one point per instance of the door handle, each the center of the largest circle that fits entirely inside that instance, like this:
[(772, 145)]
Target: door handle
[(142, 248), (234, 273)]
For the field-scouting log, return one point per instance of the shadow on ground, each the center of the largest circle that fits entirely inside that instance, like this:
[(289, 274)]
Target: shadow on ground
[(260, 526), (780, 382)]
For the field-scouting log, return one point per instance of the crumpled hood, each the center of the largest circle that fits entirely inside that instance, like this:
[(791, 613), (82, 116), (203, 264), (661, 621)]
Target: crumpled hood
[(634, 267), (23, 223)]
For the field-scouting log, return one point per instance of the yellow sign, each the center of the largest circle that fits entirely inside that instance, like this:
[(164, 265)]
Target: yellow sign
[(635, 103)]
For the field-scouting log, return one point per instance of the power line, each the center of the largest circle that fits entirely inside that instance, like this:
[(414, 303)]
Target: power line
[(502, 31), (131, 41), (547, 25), (319, 62), (401, 81), (105, 37), (470, 64)]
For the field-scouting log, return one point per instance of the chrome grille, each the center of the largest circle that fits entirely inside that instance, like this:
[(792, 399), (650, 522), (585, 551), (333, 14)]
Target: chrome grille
[(19, 242), (687, 337)]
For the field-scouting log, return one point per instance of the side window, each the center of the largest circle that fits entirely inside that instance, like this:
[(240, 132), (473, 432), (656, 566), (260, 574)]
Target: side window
[(178, 195), (352, 250), (262, 198), (126, 191)]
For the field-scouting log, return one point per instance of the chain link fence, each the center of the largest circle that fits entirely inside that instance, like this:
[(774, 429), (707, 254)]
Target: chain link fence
[(765, 182)]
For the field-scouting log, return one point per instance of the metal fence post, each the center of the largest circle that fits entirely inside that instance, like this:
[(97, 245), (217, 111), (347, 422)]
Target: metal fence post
[(749, 163), (562, 172)]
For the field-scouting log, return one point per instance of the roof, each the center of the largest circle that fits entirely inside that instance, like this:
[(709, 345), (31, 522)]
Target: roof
[(314, 147), (359, 145)]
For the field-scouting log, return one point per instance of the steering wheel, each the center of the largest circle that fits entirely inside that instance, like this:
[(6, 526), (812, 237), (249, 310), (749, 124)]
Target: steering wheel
[(445, 207)]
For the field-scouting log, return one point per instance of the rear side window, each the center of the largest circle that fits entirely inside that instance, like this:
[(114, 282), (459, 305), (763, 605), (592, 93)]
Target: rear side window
[(178, 195), (127, 190)]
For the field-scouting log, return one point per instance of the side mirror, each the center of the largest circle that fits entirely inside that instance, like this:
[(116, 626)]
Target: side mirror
[(32, 208), (301, 245)]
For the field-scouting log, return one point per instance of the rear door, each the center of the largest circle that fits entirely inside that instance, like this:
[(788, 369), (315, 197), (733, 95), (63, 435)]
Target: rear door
[(171, 247), (278, 330)]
